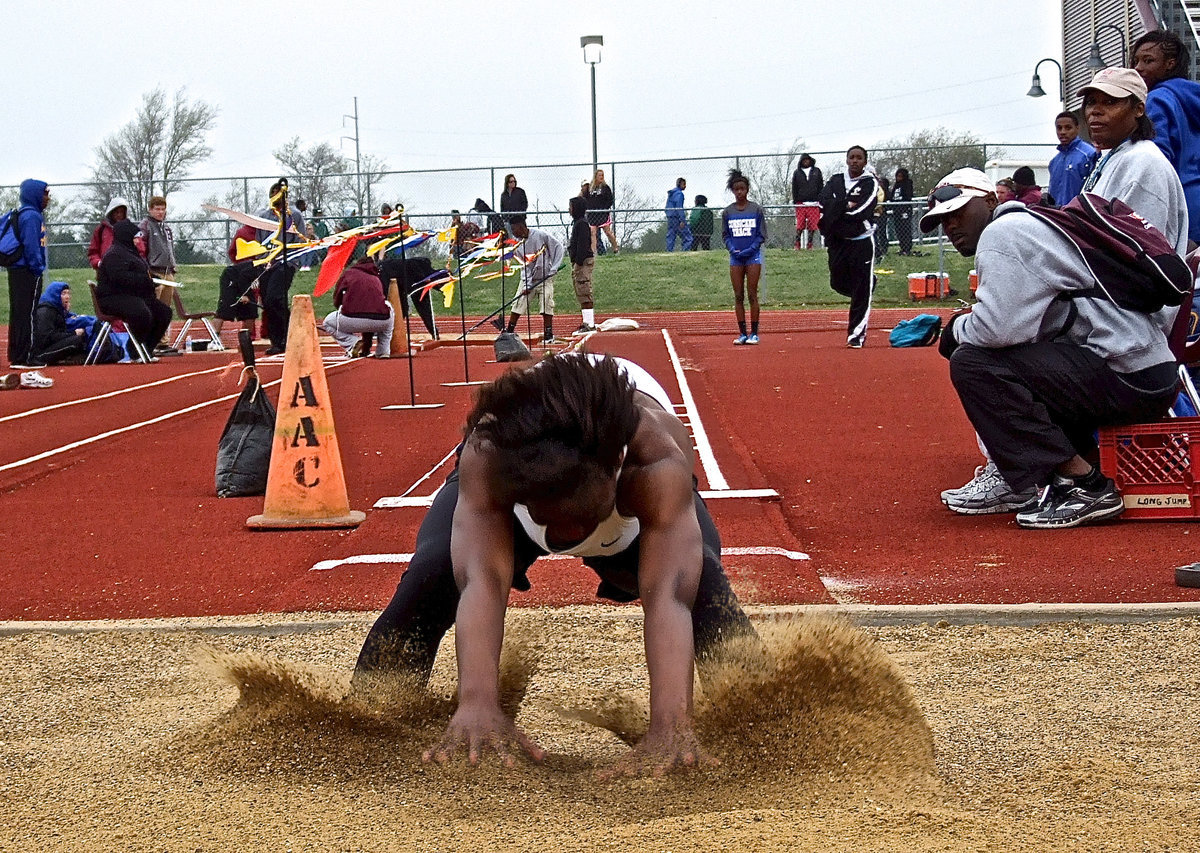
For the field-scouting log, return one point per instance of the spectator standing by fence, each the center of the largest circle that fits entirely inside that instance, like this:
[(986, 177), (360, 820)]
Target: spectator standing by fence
[(513, 199), (676, 218), (600, 206), (807, 183), (701, 223)]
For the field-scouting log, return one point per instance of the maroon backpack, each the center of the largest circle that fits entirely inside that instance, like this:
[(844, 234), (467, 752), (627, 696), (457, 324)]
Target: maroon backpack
[(1132, 263)]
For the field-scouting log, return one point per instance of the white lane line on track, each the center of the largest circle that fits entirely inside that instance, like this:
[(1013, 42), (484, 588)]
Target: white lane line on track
[(404, 559), (409, 499), (95, 438), (708, 460), (110, 394)]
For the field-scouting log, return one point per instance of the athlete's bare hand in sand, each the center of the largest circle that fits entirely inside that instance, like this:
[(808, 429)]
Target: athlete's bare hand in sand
[(481, 731), (659, 752)]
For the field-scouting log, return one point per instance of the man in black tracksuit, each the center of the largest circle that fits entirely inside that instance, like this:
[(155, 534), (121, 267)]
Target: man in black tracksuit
[(848, 204)]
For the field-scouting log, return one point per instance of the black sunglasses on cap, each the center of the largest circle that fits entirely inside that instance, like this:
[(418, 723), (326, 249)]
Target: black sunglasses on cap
[(947, 192)]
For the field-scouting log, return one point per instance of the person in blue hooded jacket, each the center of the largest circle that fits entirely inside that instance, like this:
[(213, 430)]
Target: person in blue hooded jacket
[(1173, 105), (25, 274), (57, 333), (676, 219)]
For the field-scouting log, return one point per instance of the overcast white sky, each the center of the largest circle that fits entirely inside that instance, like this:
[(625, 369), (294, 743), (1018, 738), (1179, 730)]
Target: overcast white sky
[(448, 84)]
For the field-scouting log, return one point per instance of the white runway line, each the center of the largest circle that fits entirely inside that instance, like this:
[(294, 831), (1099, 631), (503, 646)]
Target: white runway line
[(109, 394), (404, 559), (95, 438), (408, 498), (708, 461)]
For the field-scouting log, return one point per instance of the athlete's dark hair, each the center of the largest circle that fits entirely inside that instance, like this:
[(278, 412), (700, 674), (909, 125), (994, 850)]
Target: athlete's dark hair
[(903, 171), (1067, 114), (1172, 47), (556, 425), (866, 156), (736, 177), (809, 158)]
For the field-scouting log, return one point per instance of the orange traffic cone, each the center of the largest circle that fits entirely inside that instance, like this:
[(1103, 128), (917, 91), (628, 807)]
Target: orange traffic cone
[(399, 338), (305, 483)]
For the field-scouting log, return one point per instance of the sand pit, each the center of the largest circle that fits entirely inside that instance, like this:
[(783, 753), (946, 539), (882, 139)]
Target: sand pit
[(1055, 737)]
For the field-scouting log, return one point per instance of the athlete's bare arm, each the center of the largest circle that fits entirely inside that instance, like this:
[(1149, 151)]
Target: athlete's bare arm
[(658, 490), (482, 551)]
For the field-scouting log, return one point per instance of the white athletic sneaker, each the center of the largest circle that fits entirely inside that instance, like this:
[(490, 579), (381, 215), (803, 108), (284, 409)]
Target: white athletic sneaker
[(989, 493), (33, 379)]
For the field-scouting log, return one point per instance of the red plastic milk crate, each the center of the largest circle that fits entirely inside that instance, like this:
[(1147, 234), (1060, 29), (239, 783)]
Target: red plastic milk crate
[(1155, 467)]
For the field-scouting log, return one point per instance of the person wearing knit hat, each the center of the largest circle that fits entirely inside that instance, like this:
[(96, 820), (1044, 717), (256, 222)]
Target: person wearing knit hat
[(1034, 383), (1028, 191)]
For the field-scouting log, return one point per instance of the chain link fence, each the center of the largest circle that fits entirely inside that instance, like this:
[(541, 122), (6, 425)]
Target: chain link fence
[(429, 196)]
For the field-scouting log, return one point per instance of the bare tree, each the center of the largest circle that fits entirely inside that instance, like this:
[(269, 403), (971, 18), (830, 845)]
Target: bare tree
[(928, 155), (319, 174), (154, 153)]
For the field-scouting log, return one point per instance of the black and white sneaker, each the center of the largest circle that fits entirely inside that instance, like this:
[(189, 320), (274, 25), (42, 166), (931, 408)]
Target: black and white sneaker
[(1065, 503)]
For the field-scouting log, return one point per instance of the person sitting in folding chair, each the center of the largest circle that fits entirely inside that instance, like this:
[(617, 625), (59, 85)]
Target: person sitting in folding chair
[(124, 288)]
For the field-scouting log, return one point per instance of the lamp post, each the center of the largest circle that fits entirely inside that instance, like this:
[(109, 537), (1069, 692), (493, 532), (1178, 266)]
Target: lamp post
[(1095, 61), (1036, 90), (592, 46)]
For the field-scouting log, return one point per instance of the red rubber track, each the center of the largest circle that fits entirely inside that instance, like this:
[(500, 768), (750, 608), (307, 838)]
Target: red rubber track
[(857, 442)]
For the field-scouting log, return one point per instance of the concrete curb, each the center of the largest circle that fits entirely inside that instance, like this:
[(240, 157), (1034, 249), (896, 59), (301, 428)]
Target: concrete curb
[(869, 615)]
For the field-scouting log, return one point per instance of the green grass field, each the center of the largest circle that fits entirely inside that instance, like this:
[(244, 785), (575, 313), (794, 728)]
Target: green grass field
[(684, 281)]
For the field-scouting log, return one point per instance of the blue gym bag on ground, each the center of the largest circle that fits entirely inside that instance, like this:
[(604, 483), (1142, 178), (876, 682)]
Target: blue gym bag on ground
[(921, 331)]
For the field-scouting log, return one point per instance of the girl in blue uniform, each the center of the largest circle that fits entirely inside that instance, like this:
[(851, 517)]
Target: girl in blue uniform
[(744, 229)]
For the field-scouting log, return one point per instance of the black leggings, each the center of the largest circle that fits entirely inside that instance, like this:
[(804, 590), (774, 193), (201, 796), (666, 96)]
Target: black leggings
[(406, 636)]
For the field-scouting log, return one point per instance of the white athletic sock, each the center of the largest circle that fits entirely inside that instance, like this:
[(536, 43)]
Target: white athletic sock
[(589, 316)]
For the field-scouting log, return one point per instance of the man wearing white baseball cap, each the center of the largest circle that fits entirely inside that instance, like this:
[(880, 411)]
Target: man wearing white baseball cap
[(1037, 373)]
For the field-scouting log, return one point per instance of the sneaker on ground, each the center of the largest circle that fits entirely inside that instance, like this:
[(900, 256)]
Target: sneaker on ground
[(990, 493), (355, 351), (752, 340), (33, 379), (9, 381), (553, 341), (855, 344), (31, 364), (740, 340), (584, 328), (1065, 503), (981, 470)]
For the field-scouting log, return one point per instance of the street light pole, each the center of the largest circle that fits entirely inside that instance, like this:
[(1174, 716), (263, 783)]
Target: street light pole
[(357, 159), (1036, 90), (591, 55), (1095, 60)]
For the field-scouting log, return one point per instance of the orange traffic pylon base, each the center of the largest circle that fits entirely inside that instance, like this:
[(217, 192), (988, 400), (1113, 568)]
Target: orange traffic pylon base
[(265, 522)]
